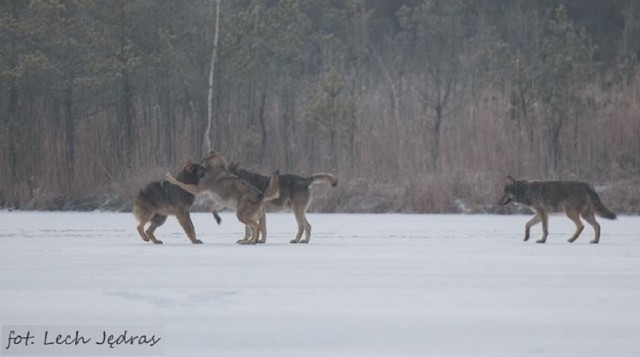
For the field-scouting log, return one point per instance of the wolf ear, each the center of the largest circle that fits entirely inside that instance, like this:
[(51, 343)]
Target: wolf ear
[(188, 167), (510, 180)]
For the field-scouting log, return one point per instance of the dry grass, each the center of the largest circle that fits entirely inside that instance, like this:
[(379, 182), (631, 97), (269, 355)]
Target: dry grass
[(388, 170)]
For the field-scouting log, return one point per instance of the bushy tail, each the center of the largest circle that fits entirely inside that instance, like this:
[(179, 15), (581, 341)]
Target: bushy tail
[(600, 208), (273, 190), (324, 178)]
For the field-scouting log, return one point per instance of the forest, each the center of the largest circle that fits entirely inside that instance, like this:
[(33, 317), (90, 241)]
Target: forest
[(418, 106)]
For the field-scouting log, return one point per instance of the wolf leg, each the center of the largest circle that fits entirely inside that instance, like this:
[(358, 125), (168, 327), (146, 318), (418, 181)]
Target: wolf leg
[(258, 232), (298, 235), (215, 208), (247, 235), (143, 219), (575, 217), (156, 221), (263, 228), (299, 214), (140, 229), (254, 229), (185, 221), (545, 226), (596, 226), (152, 237), (247, 216), (307, 229), (527, 228), (216, 216), (255, 232)]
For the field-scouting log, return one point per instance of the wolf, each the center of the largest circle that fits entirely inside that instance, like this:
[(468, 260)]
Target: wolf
[(295, 193), (576, 199), (159, 199), (230, 191)]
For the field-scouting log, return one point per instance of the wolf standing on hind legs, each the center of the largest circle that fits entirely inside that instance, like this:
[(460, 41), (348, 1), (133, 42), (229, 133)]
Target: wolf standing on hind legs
[(232, 192), (576, 199)]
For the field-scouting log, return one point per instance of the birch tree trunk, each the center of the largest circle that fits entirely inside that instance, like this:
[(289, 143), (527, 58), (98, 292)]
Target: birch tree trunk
[(207, 131)]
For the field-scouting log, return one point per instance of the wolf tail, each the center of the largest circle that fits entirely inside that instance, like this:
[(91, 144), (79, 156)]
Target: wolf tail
[(273, 190), (600, 208), (323, 178)]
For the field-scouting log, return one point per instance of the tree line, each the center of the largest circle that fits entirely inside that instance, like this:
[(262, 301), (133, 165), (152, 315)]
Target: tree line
[(416, 105)]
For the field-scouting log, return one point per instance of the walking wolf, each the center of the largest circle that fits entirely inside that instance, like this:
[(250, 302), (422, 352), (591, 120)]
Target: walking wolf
[(576, 199)]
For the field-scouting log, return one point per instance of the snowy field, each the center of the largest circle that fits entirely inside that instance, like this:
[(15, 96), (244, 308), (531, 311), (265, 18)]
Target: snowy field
[(366, 285)]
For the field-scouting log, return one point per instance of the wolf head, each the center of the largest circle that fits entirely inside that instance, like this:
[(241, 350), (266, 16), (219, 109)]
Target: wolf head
[(215, 160), (191, 173), (513, 191)]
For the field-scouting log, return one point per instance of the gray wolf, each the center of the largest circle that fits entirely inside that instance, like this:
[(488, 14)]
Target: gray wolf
[(575, 199), (159, 199), (229, 191), (295, 193)]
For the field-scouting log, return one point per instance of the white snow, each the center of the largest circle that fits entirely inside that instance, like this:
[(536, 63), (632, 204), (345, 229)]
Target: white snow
[(366, 285)]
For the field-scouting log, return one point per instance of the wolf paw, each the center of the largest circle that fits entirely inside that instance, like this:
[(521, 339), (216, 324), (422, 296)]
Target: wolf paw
[(246, 242), (197, 241), (294, 241), (157, 242), (541, 241), (594, 242)]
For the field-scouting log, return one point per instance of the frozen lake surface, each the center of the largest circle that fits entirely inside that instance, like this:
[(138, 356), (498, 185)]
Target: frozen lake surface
[(366, 285)]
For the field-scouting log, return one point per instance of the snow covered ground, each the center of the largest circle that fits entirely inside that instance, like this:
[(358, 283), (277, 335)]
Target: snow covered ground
[(366, 285)]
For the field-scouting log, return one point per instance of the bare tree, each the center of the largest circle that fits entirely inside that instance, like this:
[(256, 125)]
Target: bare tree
[(212, 67), (436, 33), (332, 112), (564, 74)]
